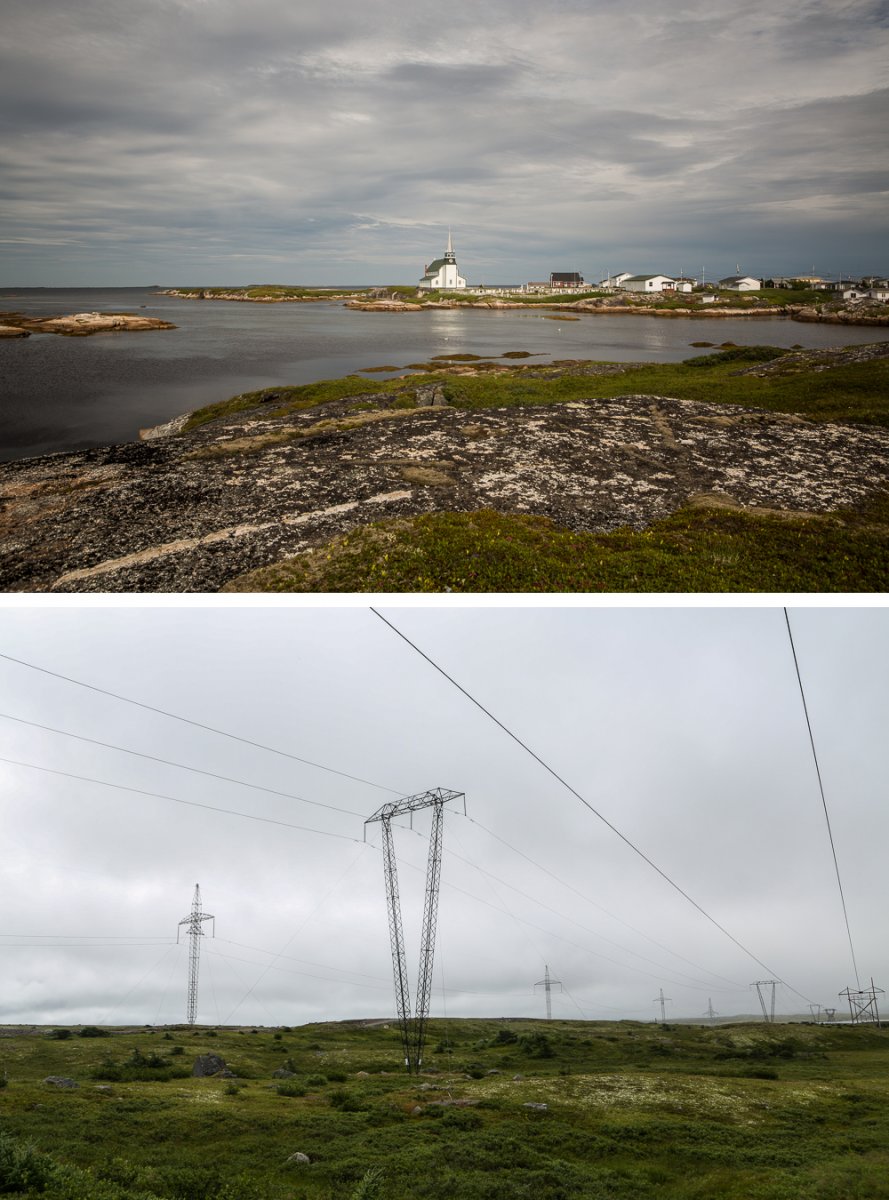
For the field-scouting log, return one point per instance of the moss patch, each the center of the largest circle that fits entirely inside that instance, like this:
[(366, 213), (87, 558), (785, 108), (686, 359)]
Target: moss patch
[(702, 548)]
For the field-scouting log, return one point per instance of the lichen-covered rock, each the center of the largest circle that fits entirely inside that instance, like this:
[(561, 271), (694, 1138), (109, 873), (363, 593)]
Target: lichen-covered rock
[(61, 1081), (193, 512), (298, 1159), (208, 1064)]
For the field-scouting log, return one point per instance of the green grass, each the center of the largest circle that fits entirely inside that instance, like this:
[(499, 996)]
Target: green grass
[(857, 392), (694, 550), (633, 1110)]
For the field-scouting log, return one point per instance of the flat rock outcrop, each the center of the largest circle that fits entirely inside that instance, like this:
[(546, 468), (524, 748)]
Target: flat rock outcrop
[(79, 324), (191, 511)]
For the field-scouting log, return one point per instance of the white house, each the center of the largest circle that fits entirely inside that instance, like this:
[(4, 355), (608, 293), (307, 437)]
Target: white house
[(878, 293), (683, 284), (613, 281), (442, 275), (647, 283), (740, 283)]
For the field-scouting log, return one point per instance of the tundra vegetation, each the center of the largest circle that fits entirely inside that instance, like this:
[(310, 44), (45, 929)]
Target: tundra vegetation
[(697, 549), (504, 1109)]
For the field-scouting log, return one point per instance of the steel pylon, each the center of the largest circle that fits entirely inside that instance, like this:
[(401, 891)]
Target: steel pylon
[(194, 921), (413, 1029)]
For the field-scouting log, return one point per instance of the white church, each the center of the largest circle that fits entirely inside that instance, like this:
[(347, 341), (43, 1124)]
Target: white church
[(442, 274)]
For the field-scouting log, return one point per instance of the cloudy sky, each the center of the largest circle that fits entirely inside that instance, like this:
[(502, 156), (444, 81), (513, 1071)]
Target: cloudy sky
[(682, 727), (209, 141)]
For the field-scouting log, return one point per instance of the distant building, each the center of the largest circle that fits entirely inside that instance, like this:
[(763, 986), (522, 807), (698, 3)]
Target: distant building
[(613, 281), (740, 283), (442, 275), (684, 283), (647, 283), (878, 293), (565, 279)]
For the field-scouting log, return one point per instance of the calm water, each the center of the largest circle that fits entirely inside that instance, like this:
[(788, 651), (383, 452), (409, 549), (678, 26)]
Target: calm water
[(61, 393)]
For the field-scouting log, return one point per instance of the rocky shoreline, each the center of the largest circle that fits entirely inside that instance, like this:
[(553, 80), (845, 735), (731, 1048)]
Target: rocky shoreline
[(190, 511), (796, 312)]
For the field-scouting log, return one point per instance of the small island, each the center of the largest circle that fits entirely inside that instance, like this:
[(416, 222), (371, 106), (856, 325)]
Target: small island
[(14, 325)]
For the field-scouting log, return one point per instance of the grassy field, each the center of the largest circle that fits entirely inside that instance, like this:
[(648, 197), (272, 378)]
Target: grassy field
[(507, 1109), (694, 550)]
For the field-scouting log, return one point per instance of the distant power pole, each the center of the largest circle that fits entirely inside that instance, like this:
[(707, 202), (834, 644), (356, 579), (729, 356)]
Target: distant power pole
[(194, 920), (759, 985), (548, 984), (663, 1001), (711, 1012), (815, 1010)]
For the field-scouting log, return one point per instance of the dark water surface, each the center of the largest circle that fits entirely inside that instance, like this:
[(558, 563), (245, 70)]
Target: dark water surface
[(59, 393)]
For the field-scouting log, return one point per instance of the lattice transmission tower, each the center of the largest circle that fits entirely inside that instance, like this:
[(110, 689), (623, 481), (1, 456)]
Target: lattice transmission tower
[(194, 921), (413, 1028), (863, 1008), (759, 984), (548, 983)]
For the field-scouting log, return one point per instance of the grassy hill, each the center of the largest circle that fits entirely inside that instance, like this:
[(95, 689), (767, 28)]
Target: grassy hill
[(511, 1109)]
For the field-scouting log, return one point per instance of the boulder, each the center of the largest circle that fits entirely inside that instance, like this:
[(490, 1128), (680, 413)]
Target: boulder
[(208, 1064), (431, 396), (61, 1081), (298, 1159)]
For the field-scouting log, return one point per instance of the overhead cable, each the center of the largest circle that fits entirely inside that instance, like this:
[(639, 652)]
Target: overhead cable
[(551, 771), (833, 849), (180, 766), (231, 812), (197, 724)]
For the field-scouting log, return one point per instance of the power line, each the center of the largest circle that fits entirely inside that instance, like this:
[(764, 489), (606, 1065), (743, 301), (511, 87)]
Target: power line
[(585, 928), (197, 724), (613, 916), (231, 812), (701, 987), (181, 766), (833, 849), (551, 771)]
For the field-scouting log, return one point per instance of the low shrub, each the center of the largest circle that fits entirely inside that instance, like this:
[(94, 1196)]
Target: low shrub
[(291, 1088)]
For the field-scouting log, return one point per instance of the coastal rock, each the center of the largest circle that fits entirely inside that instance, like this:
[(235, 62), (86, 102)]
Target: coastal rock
[(430, 396), (194, 512), (83, 324), (13, 331)]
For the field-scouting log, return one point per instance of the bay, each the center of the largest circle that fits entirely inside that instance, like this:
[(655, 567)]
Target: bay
[(60, 393)]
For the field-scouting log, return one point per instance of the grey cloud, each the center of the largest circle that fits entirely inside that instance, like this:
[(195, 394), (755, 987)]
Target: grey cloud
[(684, 728), (258, 122)]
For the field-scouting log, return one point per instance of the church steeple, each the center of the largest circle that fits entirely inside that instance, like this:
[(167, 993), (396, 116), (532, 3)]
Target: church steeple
[(450, 257)]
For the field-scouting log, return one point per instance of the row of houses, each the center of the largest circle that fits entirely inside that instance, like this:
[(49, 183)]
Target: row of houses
[(573, 281), (869, 288)]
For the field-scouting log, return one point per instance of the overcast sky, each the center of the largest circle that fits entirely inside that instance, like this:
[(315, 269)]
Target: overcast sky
[(210, 141), (683, 727)]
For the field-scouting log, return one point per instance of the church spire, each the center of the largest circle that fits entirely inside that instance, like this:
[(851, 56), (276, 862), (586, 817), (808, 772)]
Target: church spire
[(449, 253)]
